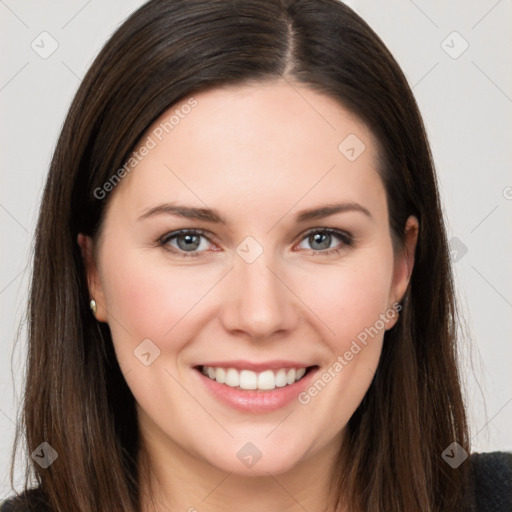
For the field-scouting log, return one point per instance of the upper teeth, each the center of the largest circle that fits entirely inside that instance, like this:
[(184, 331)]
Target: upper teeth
[(248, 379)]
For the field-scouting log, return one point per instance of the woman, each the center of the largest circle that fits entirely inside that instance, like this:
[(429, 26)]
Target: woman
[(191, 346)]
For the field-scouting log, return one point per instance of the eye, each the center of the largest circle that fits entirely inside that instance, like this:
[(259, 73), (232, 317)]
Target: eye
[(186, 242), (321, 240)]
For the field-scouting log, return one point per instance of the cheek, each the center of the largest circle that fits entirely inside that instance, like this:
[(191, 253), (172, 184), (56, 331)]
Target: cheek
[(348, 298), (353, 303), (151, 300)]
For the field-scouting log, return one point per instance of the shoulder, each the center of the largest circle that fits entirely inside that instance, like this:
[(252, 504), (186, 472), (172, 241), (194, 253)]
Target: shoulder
[(31, 500), (491, 475)]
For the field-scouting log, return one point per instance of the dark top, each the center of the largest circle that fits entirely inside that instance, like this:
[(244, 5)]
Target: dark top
[(491, 488)]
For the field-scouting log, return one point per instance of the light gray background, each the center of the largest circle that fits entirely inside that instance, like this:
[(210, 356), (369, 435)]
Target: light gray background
[(467, 106)]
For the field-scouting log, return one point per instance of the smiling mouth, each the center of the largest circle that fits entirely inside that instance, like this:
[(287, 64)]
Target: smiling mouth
[(266, 380)]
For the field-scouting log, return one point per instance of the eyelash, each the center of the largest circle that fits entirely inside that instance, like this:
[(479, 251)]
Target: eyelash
[(346, 239)]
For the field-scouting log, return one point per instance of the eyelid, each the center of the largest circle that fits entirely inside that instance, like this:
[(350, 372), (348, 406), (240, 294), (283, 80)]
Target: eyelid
[(340, 233), (186, 231)]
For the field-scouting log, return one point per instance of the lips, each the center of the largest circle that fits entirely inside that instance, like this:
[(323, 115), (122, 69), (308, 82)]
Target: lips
[(253, 387)]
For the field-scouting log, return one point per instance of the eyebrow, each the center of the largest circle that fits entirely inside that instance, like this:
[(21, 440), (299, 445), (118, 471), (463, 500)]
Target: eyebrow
[(332, 209), (213, 216), (187, 212)]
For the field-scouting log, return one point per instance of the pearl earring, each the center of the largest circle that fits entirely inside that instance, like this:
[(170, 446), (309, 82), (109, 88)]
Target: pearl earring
[(92, 305)]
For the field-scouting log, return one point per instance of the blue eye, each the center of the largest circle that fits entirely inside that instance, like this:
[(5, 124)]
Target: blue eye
[(321, 239), (192, 243), (187, 242)]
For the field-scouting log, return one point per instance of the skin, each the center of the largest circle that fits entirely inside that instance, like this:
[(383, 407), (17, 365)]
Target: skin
[(258, 154)]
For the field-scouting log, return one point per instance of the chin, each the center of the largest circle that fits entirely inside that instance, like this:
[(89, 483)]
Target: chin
[(255, 458)]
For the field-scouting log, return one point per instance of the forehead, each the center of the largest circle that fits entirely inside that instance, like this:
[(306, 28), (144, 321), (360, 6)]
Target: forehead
[(276, 142)]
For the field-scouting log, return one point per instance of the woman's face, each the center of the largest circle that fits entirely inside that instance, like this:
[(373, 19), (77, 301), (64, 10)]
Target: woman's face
[(287, 265)]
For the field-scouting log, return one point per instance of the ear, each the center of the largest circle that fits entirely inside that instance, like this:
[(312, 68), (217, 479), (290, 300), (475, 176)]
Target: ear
[(86, 245), (404, 264)]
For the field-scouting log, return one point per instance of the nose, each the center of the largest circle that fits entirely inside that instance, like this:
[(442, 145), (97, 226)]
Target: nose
[(259, 301)]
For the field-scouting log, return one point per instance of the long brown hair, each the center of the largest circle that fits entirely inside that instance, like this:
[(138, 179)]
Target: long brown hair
[(76, 398)]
